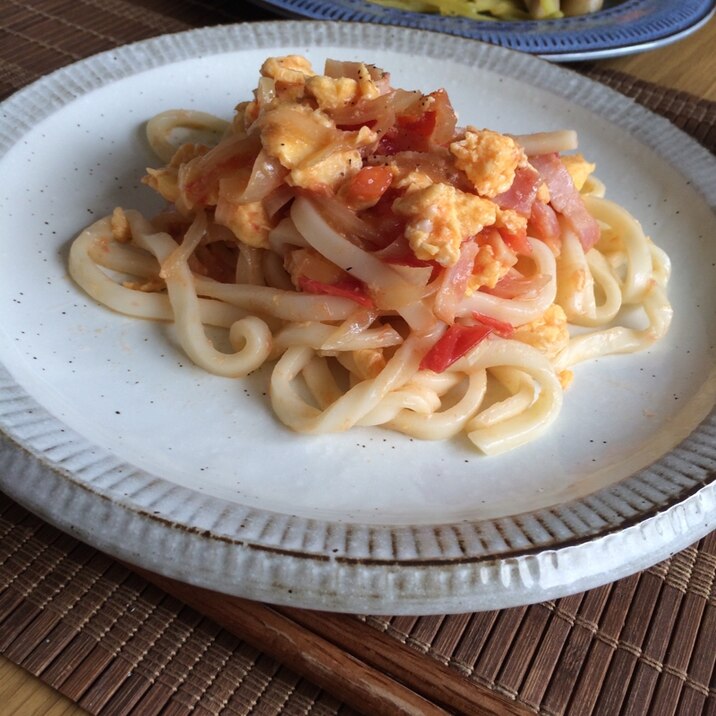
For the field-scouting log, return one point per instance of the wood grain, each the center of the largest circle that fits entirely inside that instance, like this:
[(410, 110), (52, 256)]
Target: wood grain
[(21, 694), (688, 65)]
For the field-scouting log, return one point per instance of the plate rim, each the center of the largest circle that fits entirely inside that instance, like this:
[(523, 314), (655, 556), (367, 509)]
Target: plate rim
[(350, 577)]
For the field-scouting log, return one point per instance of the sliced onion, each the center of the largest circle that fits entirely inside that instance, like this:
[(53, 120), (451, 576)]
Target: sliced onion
[(344, 220), (417, 275), (351, 70), (278, 198), (364, 111), (267, 175), (514, 284)]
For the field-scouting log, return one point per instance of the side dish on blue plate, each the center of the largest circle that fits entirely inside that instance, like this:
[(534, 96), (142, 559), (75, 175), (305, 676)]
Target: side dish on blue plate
[(499, 9)]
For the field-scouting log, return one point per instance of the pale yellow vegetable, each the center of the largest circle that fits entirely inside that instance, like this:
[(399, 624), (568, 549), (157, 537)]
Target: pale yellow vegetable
[(581, 7), (498, 9)]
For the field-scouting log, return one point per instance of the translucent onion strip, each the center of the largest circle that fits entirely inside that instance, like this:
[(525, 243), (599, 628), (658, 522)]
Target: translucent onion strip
[(318, 336)]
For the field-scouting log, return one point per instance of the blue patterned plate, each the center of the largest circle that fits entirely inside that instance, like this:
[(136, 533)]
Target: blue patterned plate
[(621, 28)]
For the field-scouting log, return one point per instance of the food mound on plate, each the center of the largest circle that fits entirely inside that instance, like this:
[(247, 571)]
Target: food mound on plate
[(389, 266)]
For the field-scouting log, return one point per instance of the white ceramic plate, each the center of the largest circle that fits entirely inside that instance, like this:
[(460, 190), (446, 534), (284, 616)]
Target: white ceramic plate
[(110, 432)]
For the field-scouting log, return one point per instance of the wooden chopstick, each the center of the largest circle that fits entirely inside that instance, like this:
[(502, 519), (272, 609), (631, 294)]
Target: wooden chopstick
[(360, 666), (434, 680)]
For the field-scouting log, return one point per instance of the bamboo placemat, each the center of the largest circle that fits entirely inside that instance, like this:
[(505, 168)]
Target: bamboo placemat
[(120, 643)]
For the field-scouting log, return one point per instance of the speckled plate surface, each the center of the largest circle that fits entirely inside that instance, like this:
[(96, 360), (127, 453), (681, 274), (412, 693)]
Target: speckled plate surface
[(622, 27), (109, 432)]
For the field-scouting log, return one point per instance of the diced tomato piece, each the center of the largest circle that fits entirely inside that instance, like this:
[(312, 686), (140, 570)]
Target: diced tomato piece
[(454, 344), (501, 328), (517, 242), (368, 185), (445, 118), (409, 133), (350, 288), (421, 125)]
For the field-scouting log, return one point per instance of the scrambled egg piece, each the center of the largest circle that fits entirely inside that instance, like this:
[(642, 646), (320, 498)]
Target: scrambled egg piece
[(543, 194), (548, 333), (282, 80), (565, 378), (367, 87), (297, 135), (440, 217), (250, 222), (331, 92), (494, 259), (489, 159), (291, 69), (510, 220), (335, 92), (292, 133), (328, 172), (307, 142), (579, 168), (411, 181)]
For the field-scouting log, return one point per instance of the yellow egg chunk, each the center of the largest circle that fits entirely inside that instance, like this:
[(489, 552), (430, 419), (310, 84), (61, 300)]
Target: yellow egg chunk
[(489, 159), (441, 217), (249, 222), (549, 333), (327, 173), (292, 133), (291, 69), (579, 168), (331, 92)]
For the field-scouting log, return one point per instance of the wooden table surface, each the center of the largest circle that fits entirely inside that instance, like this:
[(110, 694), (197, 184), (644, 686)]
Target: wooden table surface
[(688, 65)]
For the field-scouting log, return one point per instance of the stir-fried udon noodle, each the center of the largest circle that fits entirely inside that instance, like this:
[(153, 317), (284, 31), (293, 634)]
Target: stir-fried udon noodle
[(393, 268)]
